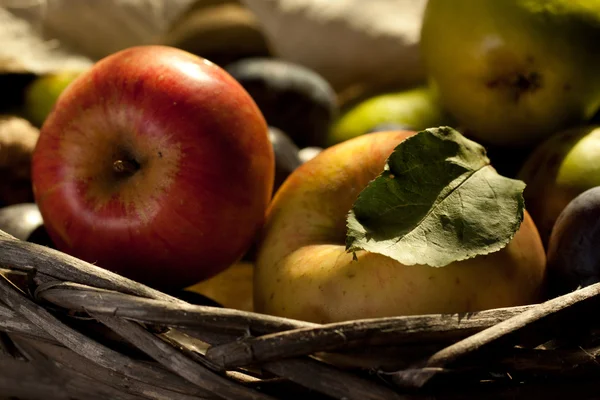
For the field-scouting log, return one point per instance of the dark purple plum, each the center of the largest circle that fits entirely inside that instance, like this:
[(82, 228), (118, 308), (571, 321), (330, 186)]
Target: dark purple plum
[(291, 97), (574, 245), (286, 155)]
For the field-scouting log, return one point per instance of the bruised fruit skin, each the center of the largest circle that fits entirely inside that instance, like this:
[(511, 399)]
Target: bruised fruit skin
[(514, 71), (574, 250), (303, 271), (565, 165)]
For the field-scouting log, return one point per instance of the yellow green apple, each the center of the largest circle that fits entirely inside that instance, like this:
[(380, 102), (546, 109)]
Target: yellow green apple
[(303, 271), (514, 71), (42, 93), (562, 167), (416, 108)]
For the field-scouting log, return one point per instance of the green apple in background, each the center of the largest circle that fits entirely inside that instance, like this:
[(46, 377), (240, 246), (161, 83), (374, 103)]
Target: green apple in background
[(42, 93), (513, 72), (564, 166), (416, 109)]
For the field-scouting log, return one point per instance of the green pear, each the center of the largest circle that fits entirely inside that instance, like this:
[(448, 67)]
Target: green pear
[(413, 109), (513, 72), (562, 167), (42, 93)]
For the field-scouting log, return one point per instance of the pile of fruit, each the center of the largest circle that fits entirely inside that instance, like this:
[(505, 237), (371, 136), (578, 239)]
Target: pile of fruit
[(255, 185)]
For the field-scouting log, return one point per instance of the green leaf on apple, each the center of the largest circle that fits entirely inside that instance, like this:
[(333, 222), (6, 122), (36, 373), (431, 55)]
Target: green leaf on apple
[(437, 201)]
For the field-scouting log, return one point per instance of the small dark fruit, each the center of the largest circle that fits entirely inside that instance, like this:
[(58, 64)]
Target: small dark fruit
[(222, 31), (24, 222), (292, 98), (574, 245), (286, 155)]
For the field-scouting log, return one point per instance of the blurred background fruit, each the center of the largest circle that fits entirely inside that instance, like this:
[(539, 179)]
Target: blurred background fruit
[(565, 165), (17, 141), (19, 220), (308, 153), (42, 93), (514, 72), (574, 250), (222, 31), (413, 109), (24, 222), (231, 288), (292, 98), (286, 155)]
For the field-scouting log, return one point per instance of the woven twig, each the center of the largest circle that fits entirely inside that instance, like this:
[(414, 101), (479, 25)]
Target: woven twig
[(137, 342)]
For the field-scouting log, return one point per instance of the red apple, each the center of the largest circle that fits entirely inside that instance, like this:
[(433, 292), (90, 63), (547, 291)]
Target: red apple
[(155, 164)]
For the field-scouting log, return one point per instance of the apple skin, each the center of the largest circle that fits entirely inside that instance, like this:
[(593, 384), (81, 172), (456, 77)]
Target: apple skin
[(303, 271), (513, 72), (202, 167)]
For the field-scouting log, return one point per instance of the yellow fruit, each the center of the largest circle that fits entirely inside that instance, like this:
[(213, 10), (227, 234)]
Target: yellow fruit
[(231, 288), (513, 72), (43, 92), (416, 109), (303, 271)]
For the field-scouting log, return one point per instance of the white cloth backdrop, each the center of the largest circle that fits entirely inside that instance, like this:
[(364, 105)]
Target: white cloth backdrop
[(346, 41)]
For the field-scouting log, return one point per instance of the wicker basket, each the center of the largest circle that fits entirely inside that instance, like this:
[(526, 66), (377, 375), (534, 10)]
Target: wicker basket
[(70, 330)]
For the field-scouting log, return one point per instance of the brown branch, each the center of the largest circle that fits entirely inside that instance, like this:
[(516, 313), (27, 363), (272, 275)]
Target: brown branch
[(535, 325), (10, 322), (84, 298), (338, 384), (317, 376), (25, 380), (419, 330), (75, 362), (90, 349), (22, 256), (313, 375), (175, 361)]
